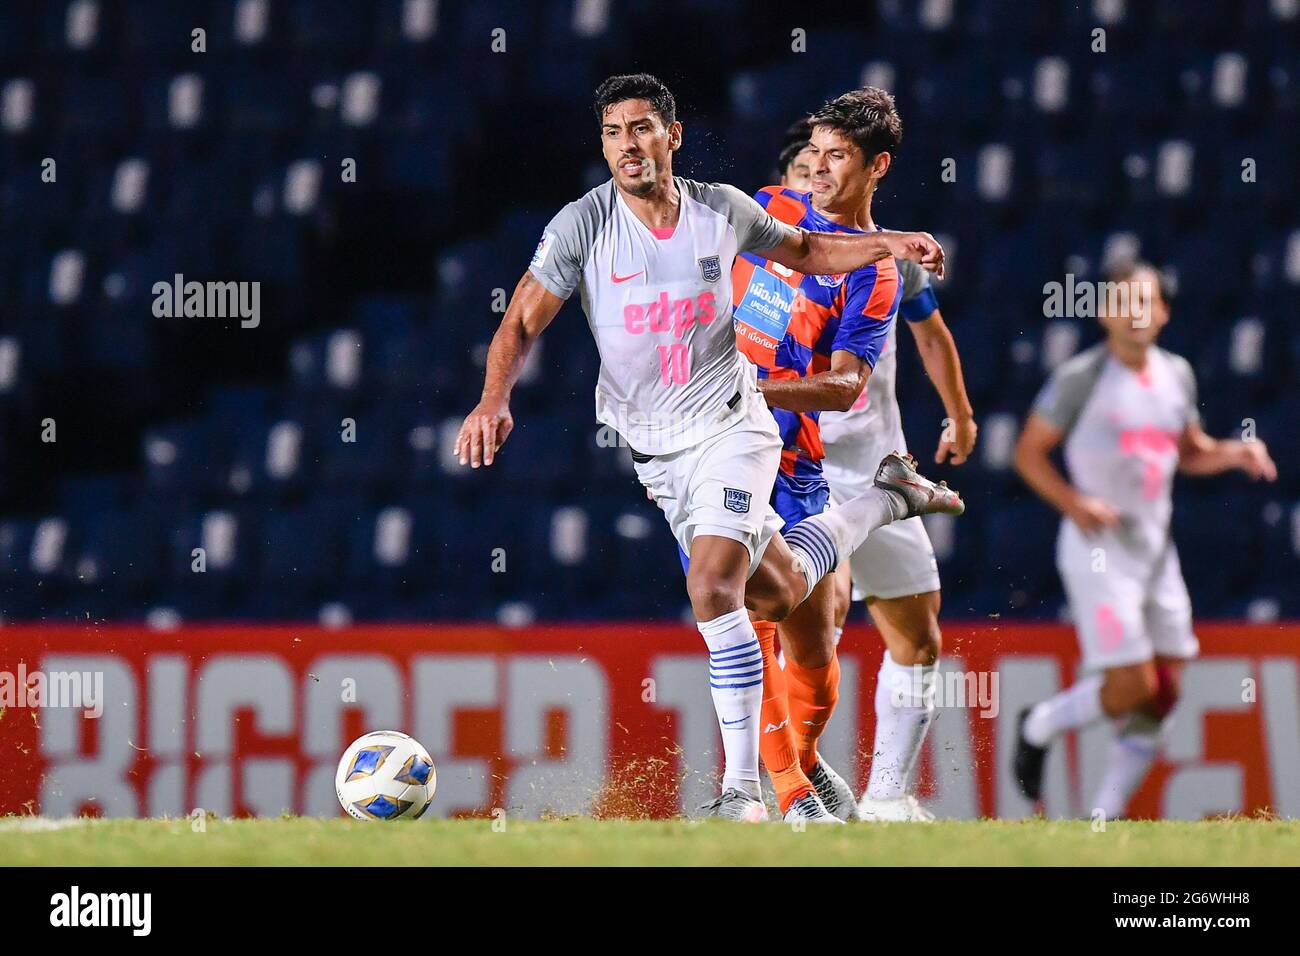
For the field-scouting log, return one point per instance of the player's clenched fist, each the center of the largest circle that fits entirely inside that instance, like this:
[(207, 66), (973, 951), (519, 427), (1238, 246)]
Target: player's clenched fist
[(1093, 515), (957, 440), (919, 247), (484, 430), (1253, 458)]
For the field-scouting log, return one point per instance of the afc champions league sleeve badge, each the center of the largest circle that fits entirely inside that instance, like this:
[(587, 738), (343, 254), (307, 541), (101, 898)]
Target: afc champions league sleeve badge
[(711, 268), (542, 250)]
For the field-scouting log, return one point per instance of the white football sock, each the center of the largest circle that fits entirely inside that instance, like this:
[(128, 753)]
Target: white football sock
[(736, 681), (1137, 739), (904, 712), (1077, 706), (822, 541)]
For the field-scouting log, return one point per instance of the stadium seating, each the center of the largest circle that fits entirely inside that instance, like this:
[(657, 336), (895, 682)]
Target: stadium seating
[(379, 296)]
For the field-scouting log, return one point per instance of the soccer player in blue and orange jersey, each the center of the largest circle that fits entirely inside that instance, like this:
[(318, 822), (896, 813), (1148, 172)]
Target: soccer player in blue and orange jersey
[(815, 340)]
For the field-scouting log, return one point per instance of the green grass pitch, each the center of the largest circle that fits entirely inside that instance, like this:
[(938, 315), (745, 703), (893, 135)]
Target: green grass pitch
[(340, 842)]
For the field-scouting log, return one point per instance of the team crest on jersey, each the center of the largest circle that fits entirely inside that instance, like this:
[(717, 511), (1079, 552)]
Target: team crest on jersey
[(832, 282), (735, 499), (711, 268)]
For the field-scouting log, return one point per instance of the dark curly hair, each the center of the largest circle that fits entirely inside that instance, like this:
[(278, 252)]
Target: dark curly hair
[(636, 86), (866, 116)]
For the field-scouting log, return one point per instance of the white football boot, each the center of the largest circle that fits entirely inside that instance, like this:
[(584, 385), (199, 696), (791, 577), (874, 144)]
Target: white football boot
[(834, 792), (733, 804), (810, 809), (904, 809)]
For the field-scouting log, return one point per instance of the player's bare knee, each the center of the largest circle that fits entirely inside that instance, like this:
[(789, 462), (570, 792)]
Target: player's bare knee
[(1127, 689), (928, 643), (712, 596)]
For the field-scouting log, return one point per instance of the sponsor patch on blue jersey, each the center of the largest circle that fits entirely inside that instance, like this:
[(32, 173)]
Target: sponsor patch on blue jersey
[(766, 304)]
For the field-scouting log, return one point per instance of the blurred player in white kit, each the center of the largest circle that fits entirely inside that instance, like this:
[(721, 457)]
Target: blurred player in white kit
[(1126, 411), (895, 570)]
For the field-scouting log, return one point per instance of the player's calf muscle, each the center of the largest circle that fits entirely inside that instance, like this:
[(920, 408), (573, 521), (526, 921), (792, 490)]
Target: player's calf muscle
[(771, 600), (808, 633), (910, 627), (776, 587)]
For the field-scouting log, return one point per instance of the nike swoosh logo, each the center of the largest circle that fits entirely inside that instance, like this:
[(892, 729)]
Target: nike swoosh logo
[(618, 278), (731, 722)]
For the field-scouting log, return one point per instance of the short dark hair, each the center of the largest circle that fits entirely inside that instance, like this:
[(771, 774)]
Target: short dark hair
[(1124, 268), (636, 86), (792, 144), (866, 116)]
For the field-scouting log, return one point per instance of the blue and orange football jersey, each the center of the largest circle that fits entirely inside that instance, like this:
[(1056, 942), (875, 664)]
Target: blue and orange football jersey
[(788, 324)]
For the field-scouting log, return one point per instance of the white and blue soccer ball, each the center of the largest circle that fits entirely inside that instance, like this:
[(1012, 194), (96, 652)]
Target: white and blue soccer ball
[(385, 775)]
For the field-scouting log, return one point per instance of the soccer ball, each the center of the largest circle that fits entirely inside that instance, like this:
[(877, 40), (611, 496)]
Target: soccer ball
[(385, 775)]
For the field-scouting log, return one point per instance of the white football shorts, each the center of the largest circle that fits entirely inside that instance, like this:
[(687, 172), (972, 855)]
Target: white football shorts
[(1125, 610), (723, 485)]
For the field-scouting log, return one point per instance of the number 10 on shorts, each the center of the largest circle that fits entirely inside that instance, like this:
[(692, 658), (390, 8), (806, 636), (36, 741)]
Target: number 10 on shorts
[(674, 364)]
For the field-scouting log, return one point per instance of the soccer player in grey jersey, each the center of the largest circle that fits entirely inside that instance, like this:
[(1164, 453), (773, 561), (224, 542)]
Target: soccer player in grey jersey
[(1126, 412), (651, 255)]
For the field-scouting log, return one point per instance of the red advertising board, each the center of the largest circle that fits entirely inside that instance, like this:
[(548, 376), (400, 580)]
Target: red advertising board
[(607, 719)]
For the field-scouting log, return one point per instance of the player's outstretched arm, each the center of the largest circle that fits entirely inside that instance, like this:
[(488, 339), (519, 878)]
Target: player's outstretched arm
[(943, 364), (834, 390), (1033, 462), (485, 429), (1199, 454), (833, 253)]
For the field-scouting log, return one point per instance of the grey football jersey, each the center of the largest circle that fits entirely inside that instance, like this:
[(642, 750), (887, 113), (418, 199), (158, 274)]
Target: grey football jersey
[(659, 307), (1123, 428)]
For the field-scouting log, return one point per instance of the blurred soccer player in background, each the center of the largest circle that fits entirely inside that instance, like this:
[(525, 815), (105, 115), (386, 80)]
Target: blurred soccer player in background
[(1126, 411)]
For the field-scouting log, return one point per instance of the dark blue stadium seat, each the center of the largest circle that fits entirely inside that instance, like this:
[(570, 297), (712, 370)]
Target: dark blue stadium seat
[(379, 297)]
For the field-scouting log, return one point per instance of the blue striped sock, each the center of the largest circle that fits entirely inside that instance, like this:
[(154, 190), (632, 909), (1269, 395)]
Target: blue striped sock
[(815, 550), (736, 683)]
